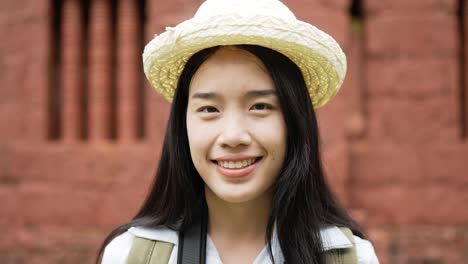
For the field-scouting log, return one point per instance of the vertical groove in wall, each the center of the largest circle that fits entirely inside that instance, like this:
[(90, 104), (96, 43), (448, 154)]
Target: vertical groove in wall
[(358, 103), (93, 103), (141, 81), (463, 61), (113, 126), (85, 66), (358, 37), (54, 104)]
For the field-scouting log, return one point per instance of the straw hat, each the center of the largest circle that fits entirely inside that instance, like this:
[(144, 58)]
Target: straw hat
[(267, 23)]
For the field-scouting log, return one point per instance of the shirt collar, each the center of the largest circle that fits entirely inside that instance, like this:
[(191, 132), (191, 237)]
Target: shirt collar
[(332, 237)]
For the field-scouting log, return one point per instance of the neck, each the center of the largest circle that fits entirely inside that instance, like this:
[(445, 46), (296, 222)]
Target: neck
[(239, 221)]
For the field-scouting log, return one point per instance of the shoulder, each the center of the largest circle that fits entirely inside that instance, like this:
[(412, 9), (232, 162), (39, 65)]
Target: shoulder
[(116, 252), (334, 237), (365, 251)]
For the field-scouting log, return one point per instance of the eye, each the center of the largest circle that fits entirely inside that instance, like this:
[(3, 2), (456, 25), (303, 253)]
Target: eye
[(261, 106), (207, 109)]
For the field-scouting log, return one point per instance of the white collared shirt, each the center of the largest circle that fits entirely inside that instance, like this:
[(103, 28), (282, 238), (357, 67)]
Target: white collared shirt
[(116, 252)]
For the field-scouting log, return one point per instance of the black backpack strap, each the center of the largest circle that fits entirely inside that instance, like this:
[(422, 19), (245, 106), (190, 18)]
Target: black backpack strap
[(192, 241)]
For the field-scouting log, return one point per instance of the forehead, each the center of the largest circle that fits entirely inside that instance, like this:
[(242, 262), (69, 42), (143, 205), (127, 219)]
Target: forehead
[(231, 70)]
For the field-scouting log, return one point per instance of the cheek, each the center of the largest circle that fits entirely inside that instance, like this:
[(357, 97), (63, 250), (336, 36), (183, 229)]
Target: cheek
[(199, 140), (273, 136)]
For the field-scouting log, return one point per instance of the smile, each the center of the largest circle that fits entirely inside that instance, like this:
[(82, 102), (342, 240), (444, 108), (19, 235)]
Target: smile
[(236, 164), (238, 168)]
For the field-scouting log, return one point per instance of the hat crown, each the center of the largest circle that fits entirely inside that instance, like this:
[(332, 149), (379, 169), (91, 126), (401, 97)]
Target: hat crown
[(266, 23), (272, 8)]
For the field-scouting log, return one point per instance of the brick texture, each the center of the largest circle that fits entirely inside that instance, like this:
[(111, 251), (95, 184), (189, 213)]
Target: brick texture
[(377, 7), (24, 70), (128, 71), (72, 76), (100, 72), (392, 139)]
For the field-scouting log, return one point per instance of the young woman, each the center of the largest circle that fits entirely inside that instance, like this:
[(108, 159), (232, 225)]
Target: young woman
[(240, 177)]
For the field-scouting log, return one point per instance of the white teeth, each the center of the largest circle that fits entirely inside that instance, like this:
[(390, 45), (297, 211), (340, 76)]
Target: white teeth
[(244, 163), (236, 164)]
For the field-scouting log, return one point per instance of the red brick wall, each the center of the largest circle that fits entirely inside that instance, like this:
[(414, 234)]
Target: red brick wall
[(395, 137)]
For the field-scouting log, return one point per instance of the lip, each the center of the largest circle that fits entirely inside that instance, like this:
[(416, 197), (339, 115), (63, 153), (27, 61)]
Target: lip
[(236, 158), (237, 173)]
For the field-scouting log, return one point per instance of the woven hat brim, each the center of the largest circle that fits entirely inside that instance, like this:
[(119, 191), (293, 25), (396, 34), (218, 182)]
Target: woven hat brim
[(319, 57)]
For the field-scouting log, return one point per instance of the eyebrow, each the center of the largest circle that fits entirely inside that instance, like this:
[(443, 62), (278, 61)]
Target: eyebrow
[(208, 95), (252, 93), (258, 93)]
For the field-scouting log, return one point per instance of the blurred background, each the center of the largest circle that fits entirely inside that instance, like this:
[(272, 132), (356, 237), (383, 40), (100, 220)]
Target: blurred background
[(81, 129)]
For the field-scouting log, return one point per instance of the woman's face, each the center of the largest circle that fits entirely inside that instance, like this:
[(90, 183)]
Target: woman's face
[(236, 130)]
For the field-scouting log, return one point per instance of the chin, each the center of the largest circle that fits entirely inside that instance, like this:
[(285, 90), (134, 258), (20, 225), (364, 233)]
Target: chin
[(234, 196)]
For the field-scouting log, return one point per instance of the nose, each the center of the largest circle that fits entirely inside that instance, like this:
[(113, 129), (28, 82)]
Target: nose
[(234, 132)]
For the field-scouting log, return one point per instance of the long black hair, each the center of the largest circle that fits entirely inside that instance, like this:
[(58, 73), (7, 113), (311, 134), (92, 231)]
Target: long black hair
[(302, 199)]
